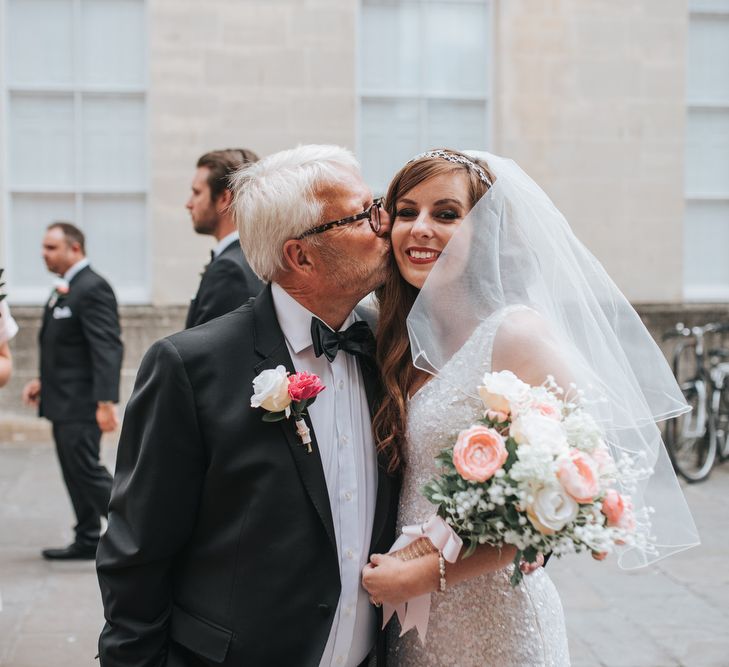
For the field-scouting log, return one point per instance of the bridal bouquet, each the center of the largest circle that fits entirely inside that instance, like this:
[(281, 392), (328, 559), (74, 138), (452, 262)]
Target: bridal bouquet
[(536, 473)]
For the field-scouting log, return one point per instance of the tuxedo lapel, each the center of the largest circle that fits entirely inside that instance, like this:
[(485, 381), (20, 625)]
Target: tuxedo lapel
[(46, 315), (269, 343)]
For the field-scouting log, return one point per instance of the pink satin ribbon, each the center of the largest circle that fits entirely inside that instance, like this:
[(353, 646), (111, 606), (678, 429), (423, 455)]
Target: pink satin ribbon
[(414, 613)]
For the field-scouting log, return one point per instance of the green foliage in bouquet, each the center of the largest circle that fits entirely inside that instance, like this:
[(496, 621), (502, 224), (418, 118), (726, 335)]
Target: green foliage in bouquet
[(454, 499)]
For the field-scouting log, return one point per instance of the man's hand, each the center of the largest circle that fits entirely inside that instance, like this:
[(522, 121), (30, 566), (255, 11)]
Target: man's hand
[(107, 416), (31, 392), (389, 579)]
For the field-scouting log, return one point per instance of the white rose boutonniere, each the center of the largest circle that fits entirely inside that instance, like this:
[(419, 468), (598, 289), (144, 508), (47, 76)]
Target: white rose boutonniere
[(283, 395), (271, 391)]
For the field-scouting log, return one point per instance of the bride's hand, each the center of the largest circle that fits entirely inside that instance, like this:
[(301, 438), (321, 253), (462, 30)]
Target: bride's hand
[(389, 579)]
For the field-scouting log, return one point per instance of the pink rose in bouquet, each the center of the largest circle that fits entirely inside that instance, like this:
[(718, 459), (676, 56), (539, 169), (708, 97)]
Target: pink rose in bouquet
[(618, 510), (303, 386), (479, 452), (549, 410), (578, 475)]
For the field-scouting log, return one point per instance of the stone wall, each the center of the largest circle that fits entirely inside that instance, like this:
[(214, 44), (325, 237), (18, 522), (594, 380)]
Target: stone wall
[(590, 99), (257, 74), (143, 325)]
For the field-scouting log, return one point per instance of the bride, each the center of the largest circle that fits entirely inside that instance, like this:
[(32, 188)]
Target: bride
[(489, 277)]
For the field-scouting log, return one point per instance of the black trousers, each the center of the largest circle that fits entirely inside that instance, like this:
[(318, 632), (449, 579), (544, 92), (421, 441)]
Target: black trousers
[(88, 482)]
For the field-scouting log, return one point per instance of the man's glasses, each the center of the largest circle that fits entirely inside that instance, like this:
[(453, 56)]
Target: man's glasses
[(371, 214)]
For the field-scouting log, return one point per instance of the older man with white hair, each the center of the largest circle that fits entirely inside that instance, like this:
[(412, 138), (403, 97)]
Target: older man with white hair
[(232, 539)]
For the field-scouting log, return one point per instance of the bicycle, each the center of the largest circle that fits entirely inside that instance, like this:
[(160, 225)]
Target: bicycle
[(695, 439)]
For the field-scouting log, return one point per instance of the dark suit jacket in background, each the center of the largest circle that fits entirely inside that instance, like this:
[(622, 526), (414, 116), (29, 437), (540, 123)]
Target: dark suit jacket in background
[(80, 355), (227, 282), (221, 548)]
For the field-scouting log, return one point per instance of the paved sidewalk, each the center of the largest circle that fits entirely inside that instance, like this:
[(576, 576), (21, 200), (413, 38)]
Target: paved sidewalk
[(675, 614)]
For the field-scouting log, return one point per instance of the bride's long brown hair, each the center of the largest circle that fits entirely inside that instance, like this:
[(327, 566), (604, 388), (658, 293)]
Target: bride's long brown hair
[(396, 298)]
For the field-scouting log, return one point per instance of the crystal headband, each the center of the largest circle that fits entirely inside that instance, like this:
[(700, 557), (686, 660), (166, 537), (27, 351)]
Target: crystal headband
[(457, 159)]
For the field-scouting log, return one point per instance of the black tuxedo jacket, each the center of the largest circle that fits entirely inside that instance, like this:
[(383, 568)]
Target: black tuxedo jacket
[(227, 282), (80, 350), (220, 548)]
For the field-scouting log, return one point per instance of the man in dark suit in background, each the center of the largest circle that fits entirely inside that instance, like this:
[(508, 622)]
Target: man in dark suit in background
[(231, 542), (80, 363), (227, 281)]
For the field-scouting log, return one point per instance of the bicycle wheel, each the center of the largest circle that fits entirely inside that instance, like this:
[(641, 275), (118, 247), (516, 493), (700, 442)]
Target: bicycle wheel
[(721, 425), (691, 445)]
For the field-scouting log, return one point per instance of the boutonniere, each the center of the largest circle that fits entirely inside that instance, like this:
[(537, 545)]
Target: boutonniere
[(61, 288), (284, 395)]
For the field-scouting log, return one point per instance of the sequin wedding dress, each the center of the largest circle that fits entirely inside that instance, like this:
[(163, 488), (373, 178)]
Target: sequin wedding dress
[(482, 621)]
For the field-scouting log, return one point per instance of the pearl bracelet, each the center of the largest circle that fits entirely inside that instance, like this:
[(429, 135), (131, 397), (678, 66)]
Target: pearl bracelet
[(441, 571)]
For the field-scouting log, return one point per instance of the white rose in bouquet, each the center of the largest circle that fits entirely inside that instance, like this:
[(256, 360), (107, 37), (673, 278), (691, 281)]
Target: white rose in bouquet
[(552, 509), (503, 392), (538, 430), (271, 390)]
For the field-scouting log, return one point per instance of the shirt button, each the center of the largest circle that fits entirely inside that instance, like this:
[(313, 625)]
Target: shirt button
[(345, 439), (349, 554), (348, 495), (348, 610), (340, 659), (341, 385)]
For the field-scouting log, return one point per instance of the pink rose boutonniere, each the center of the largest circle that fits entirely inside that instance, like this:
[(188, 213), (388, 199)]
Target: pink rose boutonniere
[(283, 395), (61, 288)]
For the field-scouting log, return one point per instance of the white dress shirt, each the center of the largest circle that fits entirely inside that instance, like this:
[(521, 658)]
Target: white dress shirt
[(81, 264), (225, 242), (341, 422)]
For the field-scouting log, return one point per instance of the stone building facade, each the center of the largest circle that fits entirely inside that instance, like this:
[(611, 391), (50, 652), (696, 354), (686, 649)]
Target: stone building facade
[(615, 108)]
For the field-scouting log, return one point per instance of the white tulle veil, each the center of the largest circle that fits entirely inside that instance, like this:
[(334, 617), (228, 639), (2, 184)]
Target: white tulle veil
[(516, 249)]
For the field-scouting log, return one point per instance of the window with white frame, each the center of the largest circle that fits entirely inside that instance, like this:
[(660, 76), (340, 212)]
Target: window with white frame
[(75, 128), (706, 226), (424, 80)]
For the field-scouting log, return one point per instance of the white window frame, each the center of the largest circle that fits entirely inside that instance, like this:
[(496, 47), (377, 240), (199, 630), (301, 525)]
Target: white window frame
[(706, 292), (35, 295), (419, 94)]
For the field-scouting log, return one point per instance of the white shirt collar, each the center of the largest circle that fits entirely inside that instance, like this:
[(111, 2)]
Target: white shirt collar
[(295, 319), (71, 273), (225, 242)]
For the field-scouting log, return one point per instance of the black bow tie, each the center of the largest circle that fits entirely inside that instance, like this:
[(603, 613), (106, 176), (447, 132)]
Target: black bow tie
[(356, 339)]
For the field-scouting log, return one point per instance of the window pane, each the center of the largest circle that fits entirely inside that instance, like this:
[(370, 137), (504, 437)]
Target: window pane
[(40, 42), (389, 46), (390, 130), (708, 61), (455, 48), (112, 42), (707, 152), (115, 228), (41, 141), (113, 142), (29, 217), (458, 125), (709, 5), (706, 239)]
